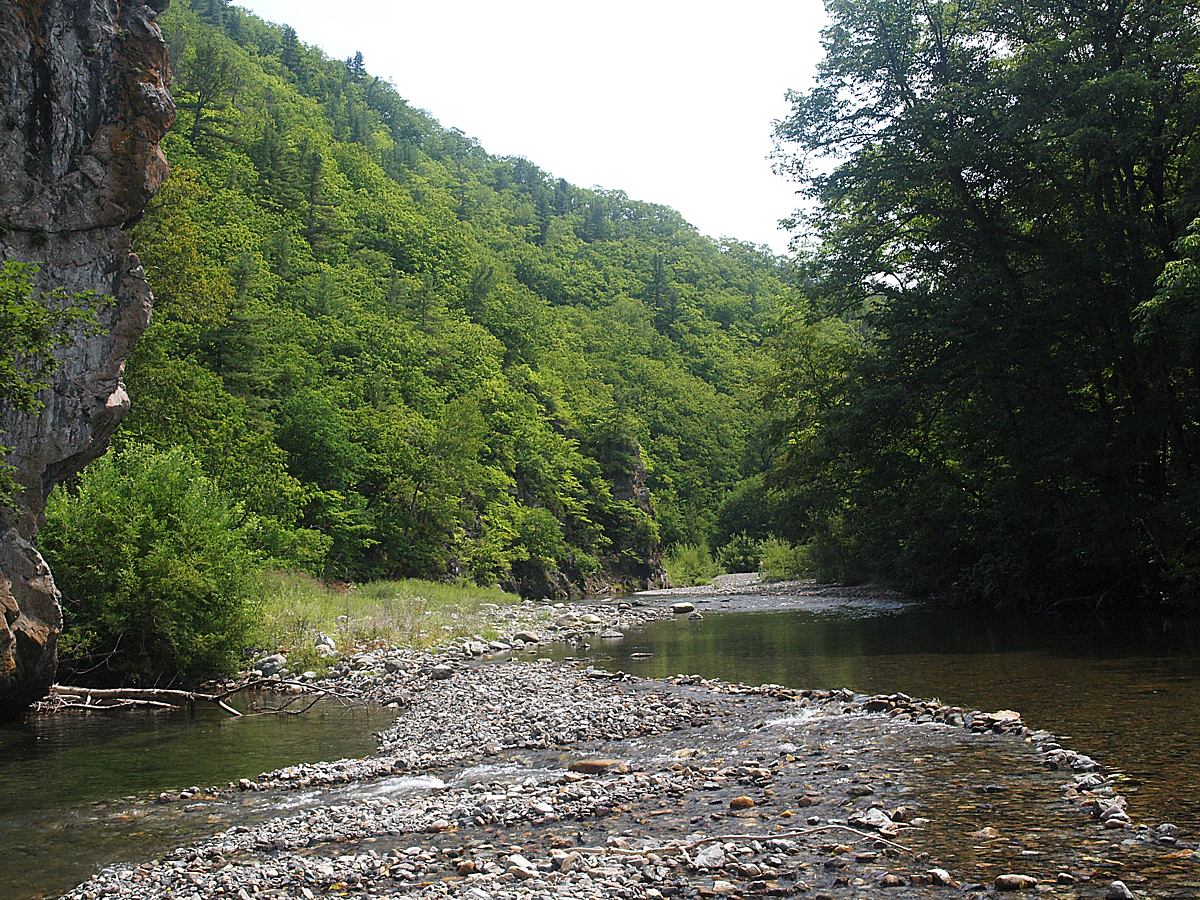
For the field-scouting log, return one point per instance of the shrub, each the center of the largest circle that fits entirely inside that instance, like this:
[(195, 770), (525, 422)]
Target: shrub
[(741, 554), (781, 561), (689, 564), (156, 567)]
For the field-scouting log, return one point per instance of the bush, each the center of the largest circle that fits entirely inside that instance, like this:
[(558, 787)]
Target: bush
[(156, 568), (689, 564), (781, 561), (741, 554)]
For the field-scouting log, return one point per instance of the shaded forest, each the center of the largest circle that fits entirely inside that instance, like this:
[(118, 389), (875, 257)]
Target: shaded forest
[(996, 394)]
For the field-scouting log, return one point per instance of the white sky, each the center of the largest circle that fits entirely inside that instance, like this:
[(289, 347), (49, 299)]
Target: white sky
[(669, 101)]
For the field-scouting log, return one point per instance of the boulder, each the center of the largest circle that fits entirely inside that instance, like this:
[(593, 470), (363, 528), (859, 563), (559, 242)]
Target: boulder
[(598, 766), (271, 665)]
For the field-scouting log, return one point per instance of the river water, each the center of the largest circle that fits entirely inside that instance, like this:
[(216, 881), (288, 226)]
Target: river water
[(1127, 694), (74, 790)]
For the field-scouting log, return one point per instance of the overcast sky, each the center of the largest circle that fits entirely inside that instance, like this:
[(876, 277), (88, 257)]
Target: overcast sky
[(669, 101)]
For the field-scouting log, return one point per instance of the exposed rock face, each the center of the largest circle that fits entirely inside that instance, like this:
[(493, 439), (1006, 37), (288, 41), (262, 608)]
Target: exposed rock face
[(83, 105), (635, 566)]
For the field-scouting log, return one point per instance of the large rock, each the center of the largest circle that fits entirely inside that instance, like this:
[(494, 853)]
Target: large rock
[(83, 105)]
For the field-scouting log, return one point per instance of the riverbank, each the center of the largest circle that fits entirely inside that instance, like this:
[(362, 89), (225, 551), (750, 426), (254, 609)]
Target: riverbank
[(522, 778)]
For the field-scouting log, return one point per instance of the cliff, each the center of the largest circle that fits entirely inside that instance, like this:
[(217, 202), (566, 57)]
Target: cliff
[(83, 104)]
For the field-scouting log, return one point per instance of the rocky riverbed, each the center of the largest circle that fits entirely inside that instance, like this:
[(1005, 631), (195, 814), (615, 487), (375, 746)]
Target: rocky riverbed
[(519, 777)]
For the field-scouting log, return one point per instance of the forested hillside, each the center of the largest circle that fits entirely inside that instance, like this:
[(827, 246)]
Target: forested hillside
[(996, 395), (404, 356)]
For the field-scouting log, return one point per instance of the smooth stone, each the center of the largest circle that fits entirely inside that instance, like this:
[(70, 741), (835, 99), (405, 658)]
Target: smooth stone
[(1118, 891), (1015, 882), (324, 640), (940, 877), (441, 673), (521, 867), (742, 802), (683, 607)]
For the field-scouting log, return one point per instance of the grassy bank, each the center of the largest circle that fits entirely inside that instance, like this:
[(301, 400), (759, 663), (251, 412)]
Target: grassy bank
[(407, 613)]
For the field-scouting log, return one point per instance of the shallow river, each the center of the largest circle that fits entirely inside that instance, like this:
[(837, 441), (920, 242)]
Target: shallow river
[(1129, 696)]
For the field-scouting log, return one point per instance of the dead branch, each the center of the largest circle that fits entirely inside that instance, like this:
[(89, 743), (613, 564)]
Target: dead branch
[(256, 683), (114, 704), (63, 696)]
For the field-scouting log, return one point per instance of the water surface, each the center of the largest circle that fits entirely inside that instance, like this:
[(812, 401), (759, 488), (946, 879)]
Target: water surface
[(1129, 694), (73, 787)]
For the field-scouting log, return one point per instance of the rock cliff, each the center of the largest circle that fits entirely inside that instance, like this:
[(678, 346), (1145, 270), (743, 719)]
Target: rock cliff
[(84, 102)]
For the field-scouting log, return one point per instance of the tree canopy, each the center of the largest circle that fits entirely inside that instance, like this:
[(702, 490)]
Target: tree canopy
[(995, 393)]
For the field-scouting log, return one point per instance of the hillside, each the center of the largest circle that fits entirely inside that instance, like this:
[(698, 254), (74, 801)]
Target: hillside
[(405, 356)]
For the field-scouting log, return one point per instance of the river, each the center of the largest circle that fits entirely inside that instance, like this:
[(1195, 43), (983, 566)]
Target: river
[(74, 790), (1127, 694)]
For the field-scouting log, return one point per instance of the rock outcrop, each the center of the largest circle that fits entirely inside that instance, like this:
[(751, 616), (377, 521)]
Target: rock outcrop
[(633, 563), (84, 102)]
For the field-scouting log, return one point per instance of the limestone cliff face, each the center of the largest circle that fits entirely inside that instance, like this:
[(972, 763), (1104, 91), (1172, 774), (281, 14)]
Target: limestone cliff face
[(83, 105)]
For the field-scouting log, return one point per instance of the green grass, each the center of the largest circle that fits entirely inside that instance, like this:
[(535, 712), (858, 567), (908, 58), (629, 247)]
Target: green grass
[(295, 608)]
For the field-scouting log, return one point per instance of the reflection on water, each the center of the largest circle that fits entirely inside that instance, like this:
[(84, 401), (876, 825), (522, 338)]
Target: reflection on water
[(1128, 695), (66, 782)]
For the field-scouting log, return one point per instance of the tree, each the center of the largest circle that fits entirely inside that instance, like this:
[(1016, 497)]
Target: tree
[(155, 566), (211, 79), (1010, 182)]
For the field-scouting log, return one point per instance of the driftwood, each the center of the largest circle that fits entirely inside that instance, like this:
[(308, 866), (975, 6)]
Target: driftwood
[(64, 696)]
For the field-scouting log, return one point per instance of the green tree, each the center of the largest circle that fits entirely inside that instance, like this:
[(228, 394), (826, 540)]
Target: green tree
[(155, 566), (1009, 183)]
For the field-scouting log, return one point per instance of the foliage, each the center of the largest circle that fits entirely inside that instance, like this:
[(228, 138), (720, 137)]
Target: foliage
[(690, 564), (407, 357), (155, 566), (995, 393), (740, 554), (32, 325), (781, 561)]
